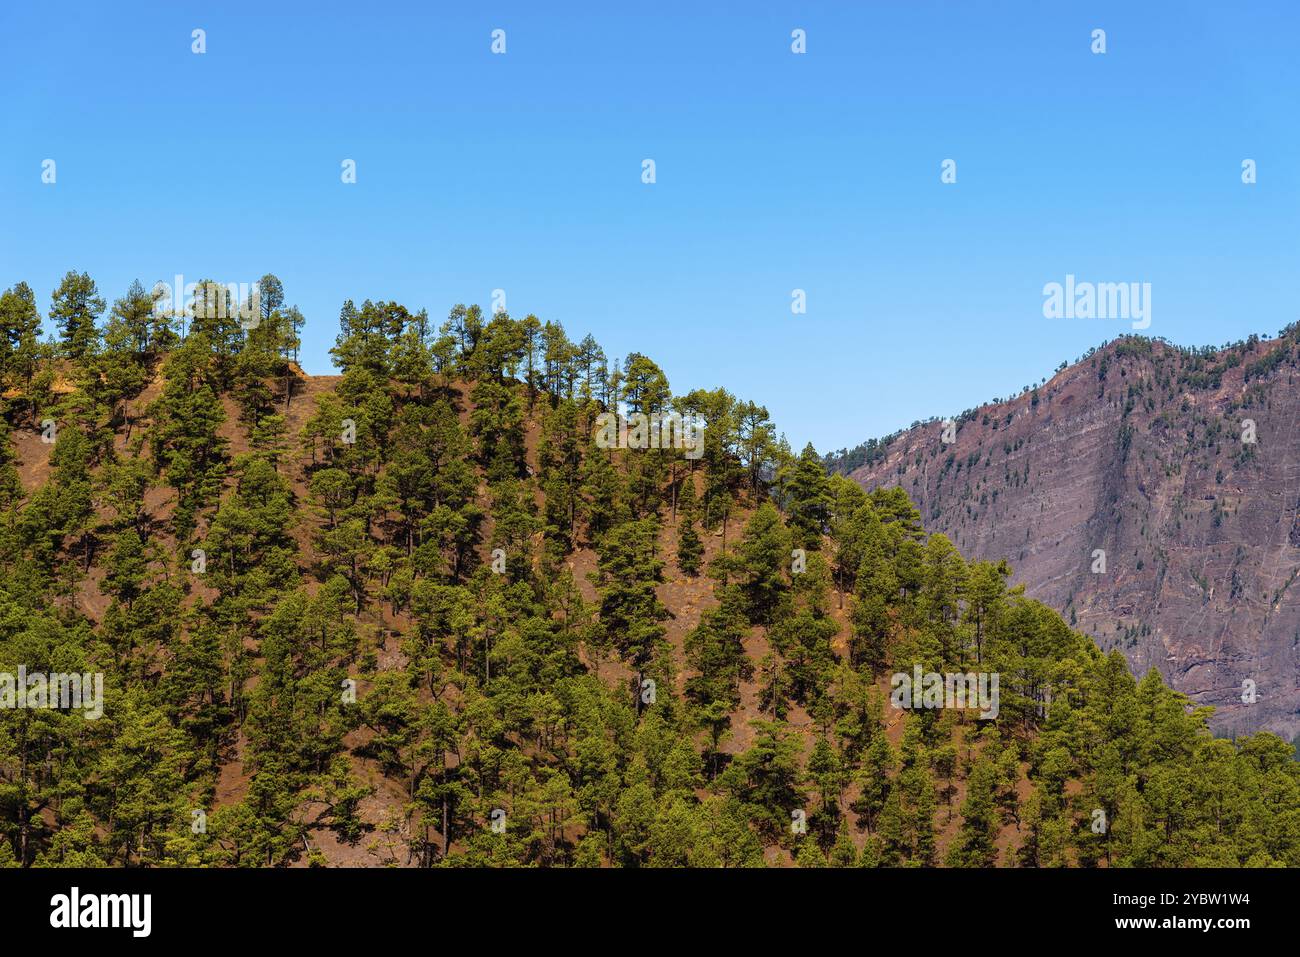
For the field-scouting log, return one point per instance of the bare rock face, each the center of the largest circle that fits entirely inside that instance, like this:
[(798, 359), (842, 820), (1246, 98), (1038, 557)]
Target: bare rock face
[(1150, 494)]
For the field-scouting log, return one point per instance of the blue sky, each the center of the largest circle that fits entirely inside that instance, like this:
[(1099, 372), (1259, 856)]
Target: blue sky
[(775, 171)]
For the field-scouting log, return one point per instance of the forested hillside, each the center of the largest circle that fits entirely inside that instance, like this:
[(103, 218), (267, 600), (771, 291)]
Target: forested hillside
[(415, 615)]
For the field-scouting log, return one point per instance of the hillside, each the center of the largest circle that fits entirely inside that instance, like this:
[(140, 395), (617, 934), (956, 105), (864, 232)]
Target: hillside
[(1142, 450), (421, 614)]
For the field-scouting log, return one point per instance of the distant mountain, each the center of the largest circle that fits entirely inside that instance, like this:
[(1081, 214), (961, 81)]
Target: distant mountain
[(1182, 466)]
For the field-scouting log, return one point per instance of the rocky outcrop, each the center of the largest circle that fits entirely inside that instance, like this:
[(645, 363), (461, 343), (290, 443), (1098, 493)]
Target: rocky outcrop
[(1150, 494)]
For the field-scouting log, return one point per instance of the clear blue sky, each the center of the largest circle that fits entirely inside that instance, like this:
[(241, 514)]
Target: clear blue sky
[(775, 171)]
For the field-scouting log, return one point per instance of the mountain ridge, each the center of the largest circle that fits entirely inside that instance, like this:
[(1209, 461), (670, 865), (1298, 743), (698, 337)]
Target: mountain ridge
[(1142, 450), (419, 614)]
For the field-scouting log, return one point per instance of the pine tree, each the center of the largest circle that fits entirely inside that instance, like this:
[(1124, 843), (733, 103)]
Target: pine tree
[(20, 329), (630, 611), (809, 499), (975, 843), (760, 562), (690, 550), (74, 308)]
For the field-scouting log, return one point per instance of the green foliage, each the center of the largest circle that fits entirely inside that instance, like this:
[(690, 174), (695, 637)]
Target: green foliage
[(424, 619)]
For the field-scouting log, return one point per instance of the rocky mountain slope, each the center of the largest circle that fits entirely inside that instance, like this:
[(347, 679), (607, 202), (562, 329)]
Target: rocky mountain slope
[(1183, 467)]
